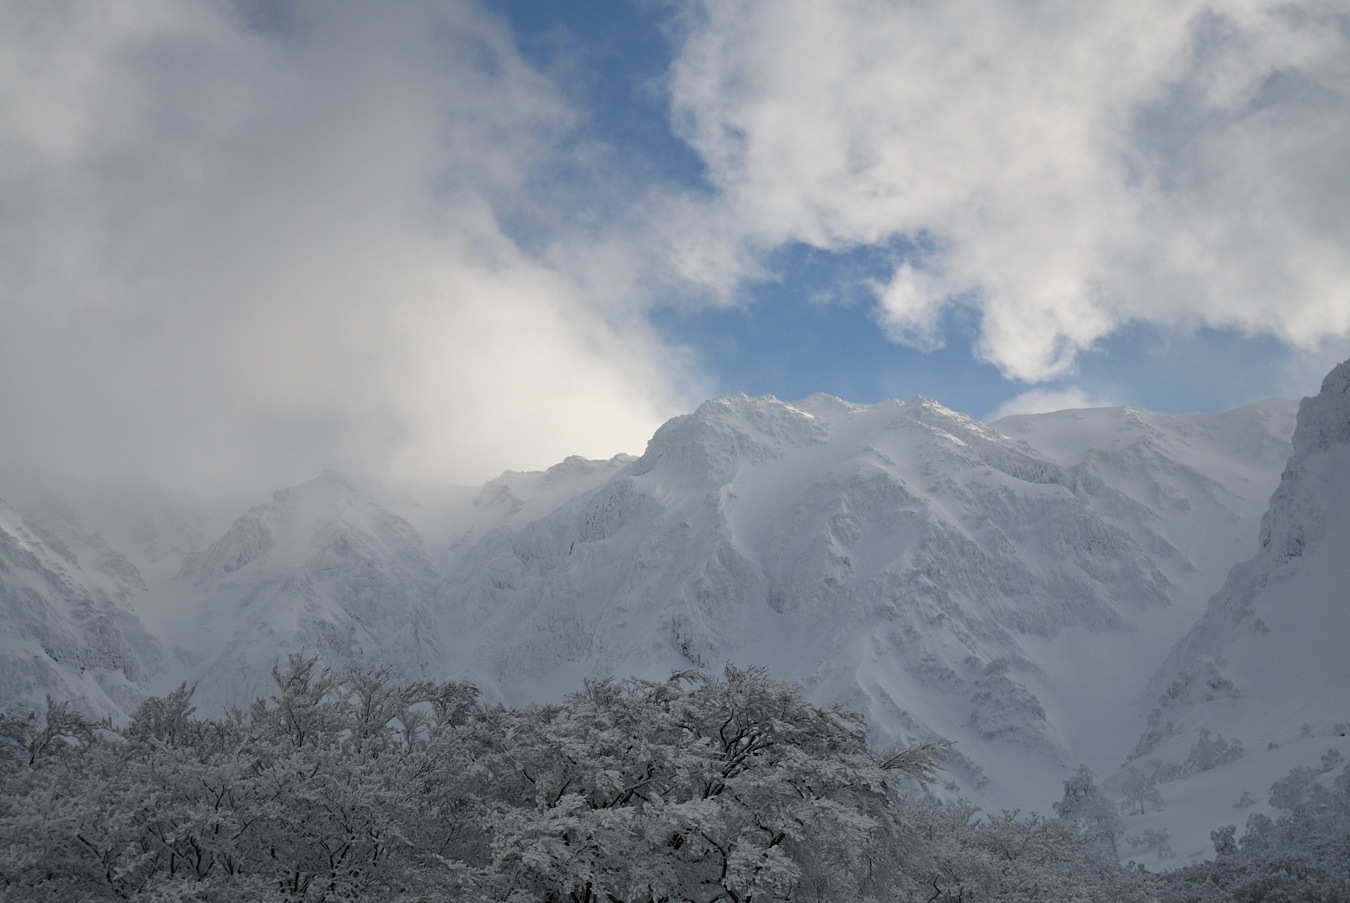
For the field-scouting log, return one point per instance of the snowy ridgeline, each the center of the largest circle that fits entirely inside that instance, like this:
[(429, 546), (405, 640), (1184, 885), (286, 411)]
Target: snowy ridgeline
[(1008, 587)]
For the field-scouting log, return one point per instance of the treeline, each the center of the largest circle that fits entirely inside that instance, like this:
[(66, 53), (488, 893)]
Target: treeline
[(693, 789), (1303, 856)]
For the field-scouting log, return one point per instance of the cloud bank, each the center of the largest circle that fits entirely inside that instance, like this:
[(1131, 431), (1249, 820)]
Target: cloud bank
[(241, 250), (242, 241), (1061, 168)]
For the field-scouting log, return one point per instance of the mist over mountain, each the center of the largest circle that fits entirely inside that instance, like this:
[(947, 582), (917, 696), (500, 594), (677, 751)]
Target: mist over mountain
[(71, 629), (1012, 587)]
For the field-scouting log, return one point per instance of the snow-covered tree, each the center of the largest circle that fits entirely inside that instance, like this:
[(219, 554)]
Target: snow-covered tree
[(294, 800), (1017, 859), (1331, 759), (696, 787), (1210, 753), (1304, 855), (1085, 804), (729, 788), (1141, 788)]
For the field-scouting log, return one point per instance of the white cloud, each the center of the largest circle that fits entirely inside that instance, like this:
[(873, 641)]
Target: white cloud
[(236, 254), (1043, 401), (910, 307), (1068, 167)]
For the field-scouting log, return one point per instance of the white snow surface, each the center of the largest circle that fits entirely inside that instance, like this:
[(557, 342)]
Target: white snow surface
[(68, 605), (1268, 664), (1010, 587)]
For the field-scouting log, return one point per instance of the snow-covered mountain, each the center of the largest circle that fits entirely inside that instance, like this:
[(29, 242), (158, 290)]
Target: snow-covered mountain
[(68, 604), (317, 570), (1010, 586), (939, 575), (1268, 664), (1289, 604)]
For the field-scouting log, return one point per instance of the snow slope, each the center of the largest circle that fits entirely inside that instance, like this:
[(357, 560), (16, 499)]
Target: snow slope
[(317, 570), (1268, 664), (1193, 486), (68, 605)]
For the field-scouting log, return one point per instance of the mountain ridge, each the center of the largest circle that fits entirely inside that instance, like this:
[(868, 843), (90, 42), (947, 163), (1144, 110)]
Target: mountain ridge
[(996, 584)]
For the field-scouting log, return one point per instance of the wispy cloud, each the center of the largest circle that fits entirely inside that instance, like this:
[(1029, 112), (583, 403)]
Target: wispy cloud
[(1041, 401), (1064, 168), (238, 252)]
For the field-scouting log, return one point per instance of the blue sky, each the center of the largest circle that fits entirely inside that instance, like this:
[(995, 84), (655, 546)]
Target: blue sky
[(809, 325), (433, 239)]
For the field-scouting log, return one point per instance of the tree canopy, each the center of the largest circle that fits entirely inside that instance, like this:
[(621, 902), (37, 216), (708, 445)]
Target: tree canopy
[(343, 788)]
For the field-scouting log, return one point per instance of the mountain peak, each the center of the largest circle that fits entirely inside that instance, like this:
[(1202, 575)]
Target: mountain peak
[(1302, 506), (1324, 419), (822, 404), (328, 484), (730, 430)]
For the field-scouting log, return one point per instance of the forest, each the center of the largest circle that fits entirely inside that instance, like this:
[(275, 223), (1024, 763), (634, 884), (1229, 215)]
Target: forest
[(697, 788)]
